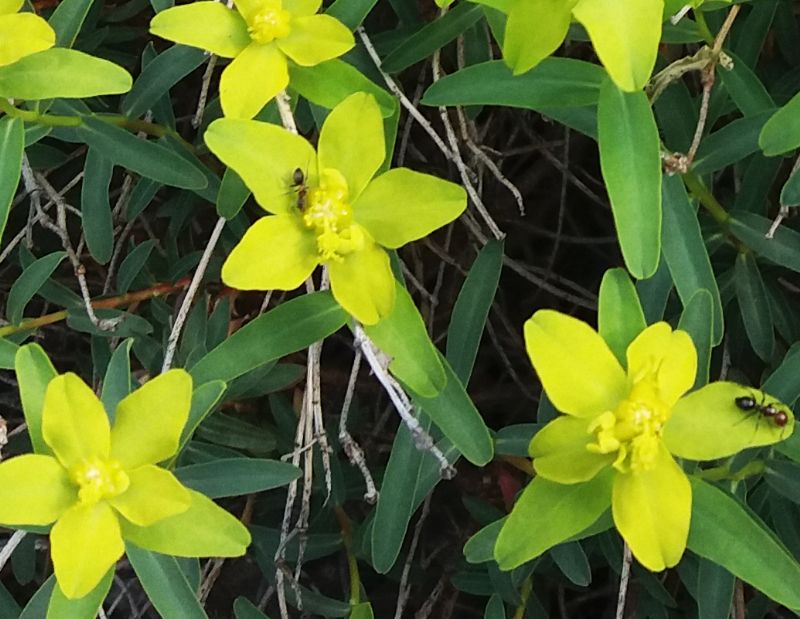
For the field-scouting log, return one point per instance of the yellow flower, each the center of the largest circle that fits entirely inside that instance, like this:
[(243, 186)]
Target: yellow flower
[(22, 34), (260, 36)]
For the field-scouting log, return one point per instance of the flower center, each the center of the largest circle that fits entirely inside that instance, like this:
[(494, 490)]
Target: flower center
[(99, 479), (634, 429), (270, 22), (328, 213)]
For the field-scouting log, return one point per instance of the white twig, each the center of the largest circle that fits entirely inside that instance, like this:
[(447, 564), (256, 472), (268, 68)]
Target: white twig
[(197, 119), (404, 589), (285, 110), (623, 581), (10, 547)]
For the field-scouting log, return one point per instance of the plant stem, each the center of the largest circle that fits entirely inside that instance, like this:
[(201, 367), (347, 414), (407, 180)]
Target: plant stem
[(352, 563), (706, 198)]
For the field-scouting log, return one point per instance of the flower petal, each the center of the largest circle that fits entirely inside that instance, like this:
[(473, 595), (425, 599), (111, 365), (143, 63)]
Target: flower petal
[(559, 451), (625, 36), (276, 253), (10, 6), (149, 421), (402, 206), (74, 422), (707, 424), (534, 30), (302, 8), (652, 510), (351, 141), (204, 530), (22, 34), (208, 25), (265, 156), (578, 371), (34, 490), (85, 543), (254, 77), (154, 494), (363, 283), (315, 39), (671, 353)]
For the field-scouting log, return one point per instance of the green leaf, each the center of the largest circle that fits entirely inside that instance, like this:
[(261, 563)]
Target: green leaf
[(403, 337), (495, 609), (160, 74), (141, 156), (82, 608), (547, 514), (571, 560), (236, 476), (36, 608), (98, 226), (431, 37), (8, 350), (67, 20), (619, 314), (697, 319), (726, 532), (630, 159), (685, 252), (746, 90), (133, 264), (480, 547), (734, 142), (165, 584), (754, 305), (351, 12), (714, 591), (554, 83), (784, 477), (784, 382), (329, 83), (790, 193), (29, 283), (472, 309), (117, 379), (290, 327), (233, 193), (454, 413), (782, 249), (64, 73), (362, 611), (34, 372), (12, 145), (781, 133), (245, 609), (204, 398)]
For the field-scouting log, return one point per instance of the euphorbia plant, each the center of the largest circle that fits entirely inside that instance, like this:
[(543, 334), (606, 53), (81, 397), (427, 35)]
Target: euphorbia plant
[(261, 36), (329, 206)]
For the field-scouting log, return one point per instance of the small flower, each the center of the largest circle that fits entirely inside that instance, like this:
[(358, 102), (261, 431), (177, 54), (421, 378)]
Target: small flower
[(22, 34), (260, 36), (625, 34), (616, 443), (100, 484), (340, 214)]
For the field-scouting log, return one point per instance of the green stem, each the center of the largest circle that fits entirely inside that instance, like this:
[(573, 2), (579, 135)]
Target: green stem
[(706, 198), (702, 25), (352, 562), (525, 594), (720, 473)]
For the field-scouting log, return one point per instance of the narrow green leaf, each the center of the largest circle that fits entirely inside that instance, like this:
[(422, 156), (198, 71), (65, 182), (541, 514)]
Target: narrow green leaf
[(233, 193), (96, 220), (619, 313), (630, 158), (351, 12), (782, 249), (165, 584), (697, 320), (784, 477), (290, 327), (8, 350), (64, 73), (734, 142), (67, 20), (754, 305), (746, 90), (117, 380), (790, 193), (29, 283), (34, 372), (480, 547), (714, 591), (12, 145), (784, 382), (781, 133), (133, 264), (431, 37), (495, 609), (204, 398), (236, 476), (36, 608), (685, 251), (245, 609), (141, 156), (403, 337), (571, 560), (472, 309), (553, 83), (362, 611), (161, 74), (727, 533), (86, 607)]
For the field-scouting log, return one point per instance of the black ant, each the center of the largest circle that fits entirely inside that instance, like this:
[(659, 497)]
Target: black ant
[(299, 185), (748, 404)]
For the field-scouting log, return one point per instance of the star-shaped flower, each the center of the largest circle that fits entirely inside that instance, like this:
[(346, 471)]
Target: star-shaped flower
[(22, 34), (260, 35)]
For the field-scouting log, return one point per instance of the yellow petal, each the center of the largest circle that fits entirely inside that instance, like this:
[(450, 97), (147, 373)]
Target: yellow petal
[(74, 422), (154, 494), (10, 6), (149, 421), (23, 34), (207, 25), (652, 510), (276, 253), (84, 544), (559, 451), (254, 77), (363, 283), (578, 371), (315, 39), (302, 8), (34, 490), (352, 142)]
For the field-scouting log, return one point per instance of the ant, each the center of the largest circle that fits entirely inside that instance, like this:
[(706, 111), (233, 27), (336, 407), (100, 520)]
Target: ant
[(299, 185), (747, 403)]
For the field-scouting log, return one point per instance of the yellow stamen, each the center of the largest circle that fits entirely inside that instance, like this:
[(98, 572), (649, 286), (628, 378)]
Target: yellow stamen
[(99, 479), (270, 22)]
